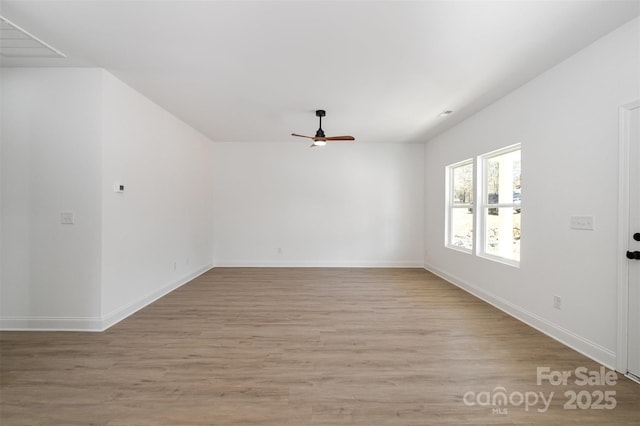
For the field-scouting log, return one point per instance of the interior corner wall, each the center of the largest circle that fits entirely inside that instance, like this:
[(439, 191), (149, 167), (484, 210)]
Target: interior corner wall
[(68, 136), (50, 272), (157, 234), (345, 204), (567, 122)]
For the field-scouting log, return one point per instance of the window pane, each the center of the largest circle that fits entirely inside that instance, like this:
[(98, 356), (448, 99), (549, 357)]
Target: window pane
[(502, 227), (503, 178), (463, 184), (462, 228), (517, 183), (493, 184)]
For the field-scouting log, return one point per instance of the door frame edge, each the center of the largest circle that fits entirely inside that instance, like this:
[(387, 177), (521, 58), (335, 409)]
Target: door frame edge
[(623, 232)]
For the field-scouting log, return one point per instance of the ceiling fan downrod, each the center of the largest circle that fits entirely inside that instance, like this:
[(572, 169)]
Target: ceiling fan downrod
[(320, 113)]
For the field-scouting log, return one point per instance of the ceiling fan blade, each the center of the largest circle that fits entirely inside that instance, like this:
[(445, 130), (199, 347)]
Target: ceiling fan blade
[(301, 136), (320, 139), (340, 138)]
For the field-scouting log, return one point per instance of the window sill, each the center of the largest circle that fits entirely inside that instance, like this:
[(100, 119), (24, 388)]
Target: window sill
[(498, 259)]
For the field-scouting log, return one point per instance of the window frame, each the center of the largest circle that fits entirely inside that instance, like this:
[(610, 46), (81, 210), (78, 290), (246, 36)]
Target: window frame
[(478, 205), (483, 204), (451, 206)]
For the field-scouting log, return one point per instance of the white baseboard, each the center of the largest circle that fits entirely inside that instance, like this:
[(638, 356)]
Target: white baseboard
[(562, 335), (318, 264), (95, 323), (50, 324), (578, 343), (123, 312)]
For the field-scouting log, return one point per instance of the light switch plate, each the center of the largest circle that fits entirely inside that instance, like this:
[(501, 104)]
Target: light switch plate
[(582, 222)]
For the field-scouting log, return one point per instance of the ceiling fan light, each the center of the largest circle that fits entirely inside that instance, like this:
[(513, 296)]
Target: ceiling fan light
[(319, 143)]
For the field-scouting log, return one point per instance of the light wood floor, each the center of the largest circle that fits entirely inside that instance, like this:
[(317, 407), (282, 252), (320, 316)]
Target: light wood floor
[(298, 347)]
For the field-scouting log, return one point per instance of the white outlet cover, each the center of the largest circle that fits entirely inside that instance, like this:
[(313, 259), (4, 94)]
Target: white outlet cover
[(67, 218), (557, 302)]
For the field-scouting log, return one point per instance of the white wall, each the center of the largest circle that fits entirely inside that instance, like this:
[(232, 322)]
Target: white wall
[(346, 204), (158, 233), (68, 135), (50, 164), (567, 122)]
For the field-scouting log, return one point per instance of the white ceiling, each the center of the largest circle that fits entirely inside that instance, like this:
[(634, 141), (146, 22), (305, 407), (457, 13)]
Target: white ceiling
[(257, 70)]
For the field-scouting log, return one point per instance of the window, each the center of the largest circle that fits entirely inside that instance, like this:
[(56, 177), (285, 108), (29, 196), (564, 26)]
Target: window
[(496, 199), (500, 208), (460, 206)]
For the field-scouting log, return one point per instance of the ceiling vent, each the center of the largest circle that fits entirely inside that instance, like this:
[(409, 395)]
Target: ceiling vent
[(17, 43)]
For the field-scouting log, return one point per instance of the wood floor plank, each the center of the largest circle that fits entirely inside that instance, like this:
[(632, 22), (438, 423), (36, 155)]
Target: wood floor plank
[(299, 346)]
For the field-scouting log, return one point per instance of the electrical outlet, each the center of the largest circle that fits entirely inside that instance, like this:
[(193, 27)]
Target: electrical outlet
[(279, 250), (557, 302), (67, 218)]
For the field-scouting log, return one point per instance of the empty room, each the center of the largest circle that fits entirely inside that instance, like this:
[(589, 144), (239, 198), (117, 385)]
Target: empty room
[(319, 212)]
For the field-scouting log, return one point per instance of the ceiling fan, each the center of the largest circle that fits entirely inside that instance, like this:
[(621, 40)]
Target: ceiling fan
[(320, 139)]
